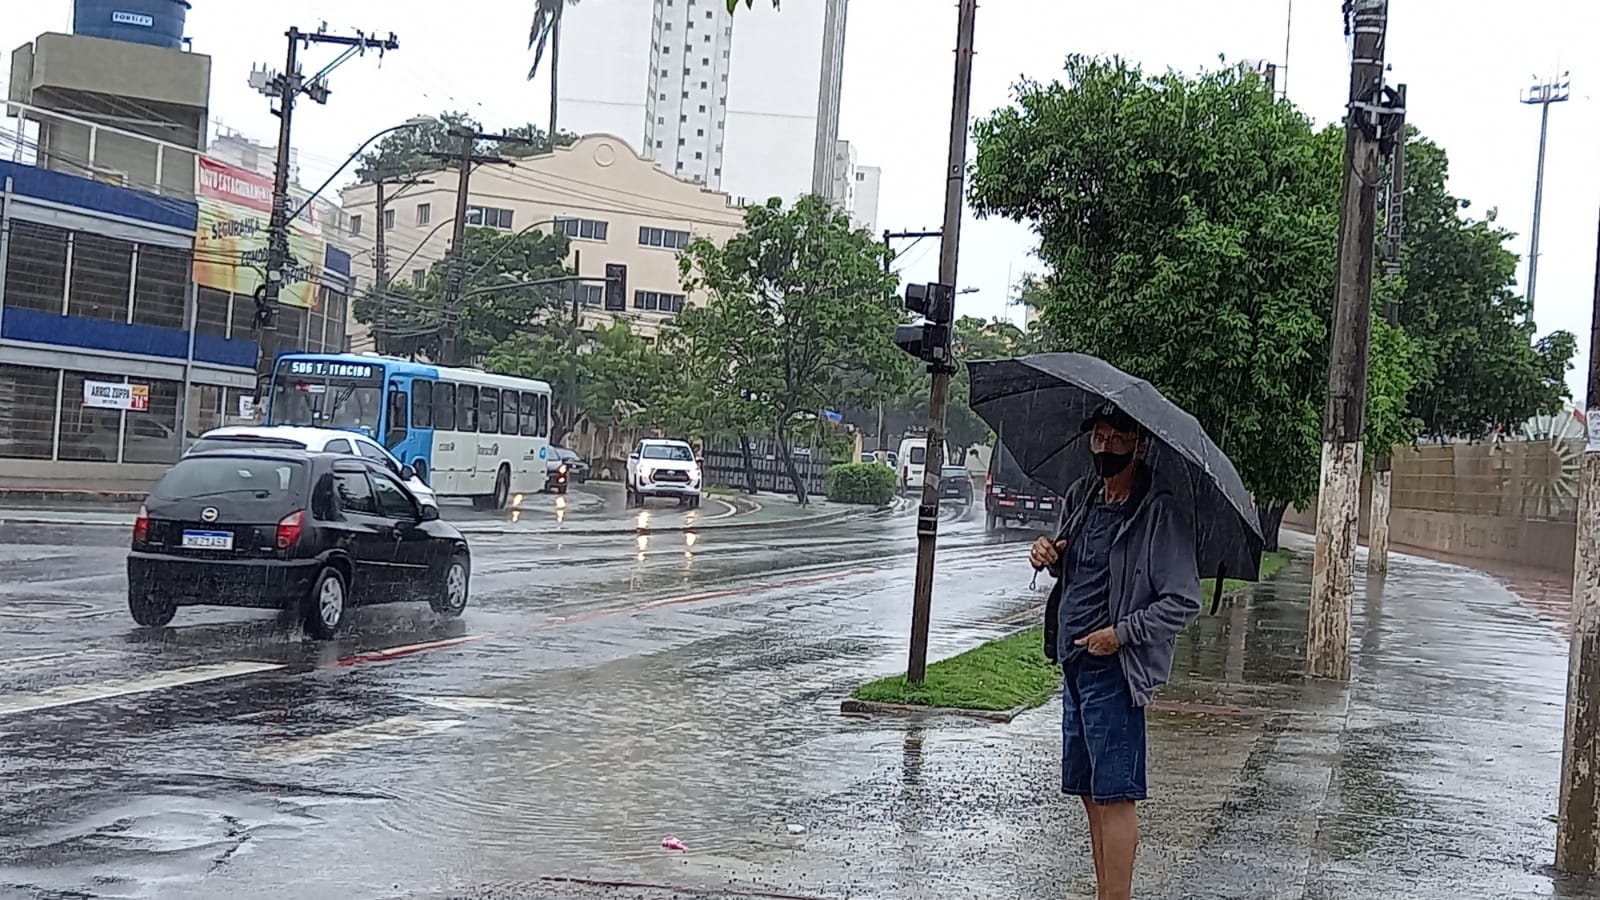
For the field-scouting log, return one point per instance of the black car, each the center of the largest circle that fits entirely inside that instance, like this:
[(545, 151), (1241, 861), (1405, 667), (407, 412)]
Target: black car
[(316, 533), (564, 467), (1012, 499), (577, 468), (955, 483)]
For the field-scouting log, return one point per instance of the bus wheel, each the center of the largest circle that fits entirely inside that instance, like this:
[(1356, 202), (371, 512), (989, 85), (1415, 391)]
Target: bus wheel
[(502, 489)]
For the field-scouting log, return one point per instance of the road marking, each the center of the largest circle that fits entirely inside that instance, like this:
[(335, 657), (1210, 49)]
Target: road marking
[(476, 704), (71, 694), (407, 650), (48, 658), (361, 737)]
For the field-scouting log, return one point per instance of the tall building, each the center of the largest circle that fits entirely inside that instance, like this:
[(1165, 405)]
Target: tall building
[(865, 211), (854, 189), (746, 103)]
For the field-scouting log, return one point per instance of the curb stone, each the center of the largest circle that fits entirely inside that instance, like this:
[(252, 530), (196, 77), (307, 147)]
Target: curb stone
[(866, 709)]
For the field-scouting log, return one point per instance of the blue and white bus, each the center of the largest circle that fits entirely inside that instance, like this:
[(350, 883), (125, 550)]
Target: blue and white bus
[(467, 433)]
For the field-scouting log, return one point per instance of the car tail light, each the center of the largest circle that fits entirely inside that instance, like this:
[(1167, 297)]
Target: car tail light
[(289, 528), (988, 483), (141, 526)]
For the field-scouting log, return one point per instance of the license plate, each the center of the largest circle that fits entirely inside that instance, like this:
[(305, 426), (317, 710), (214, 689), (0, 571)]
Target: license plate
[(208, 540)]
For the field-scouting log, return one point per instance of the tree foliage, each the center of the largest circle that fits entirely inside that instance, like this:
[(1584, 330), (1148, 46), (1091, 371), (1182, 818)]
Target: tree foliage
[(410, 151), (495, 305), (798, 319), (617, 370), (1189, 225)]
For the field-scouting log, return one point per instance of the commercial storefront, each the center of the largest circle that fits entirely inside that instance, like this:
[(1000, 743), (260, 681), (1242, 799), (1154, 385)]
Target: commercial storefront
[(111, 355)]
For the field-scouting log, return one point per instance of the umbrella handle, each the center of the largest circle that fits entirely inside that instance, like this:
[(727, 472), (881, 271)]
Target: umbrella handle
[(1216, 592)]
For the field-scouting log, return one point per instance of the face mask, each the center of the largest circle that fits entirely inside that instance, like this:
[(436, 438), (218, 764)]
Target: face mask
[(1112, 464)]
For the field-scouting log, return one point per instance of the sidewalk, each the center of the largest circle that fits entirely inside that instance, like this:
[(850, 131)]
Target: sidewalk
[(1432, 774)]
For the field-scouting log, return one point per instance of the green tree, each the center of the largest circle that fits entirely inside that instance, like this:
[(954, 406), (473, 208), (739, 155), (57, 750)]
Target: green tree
[(411, 151), (1189, 225), (1483, 370), (617, 370), (798, 319), (496, 302)]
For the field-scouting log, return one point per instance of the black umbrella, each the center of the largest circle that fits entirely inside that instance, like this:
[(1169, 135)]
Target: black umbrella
[(1037, 404)]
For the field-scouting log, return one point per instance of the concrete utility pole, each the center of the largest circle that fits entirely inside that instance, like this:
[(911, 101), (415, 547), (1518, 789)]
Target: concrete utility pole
[(455, 274), (1578, 819), (380, 261), (1393, 232), (1368, 124), (1541, 95), (889, 237), (577, 325), (949, 247), (286, 87)]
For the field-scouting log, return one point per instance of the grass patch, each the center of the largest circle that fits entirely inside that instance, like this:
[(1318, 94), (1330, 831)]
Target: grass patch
[(1005, 673), (995, 676)]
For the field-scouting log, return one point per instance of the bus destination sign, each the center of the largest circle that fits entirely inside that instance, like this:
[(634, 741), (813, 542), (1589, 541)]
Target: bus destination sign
[(321, 368)]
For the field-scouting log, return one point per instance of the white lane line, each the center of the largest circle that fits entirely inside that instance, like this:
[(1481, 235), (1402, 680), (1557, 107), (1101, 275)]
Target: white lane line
[(71, 694), (361, 737), (45, 659), (470, 705)]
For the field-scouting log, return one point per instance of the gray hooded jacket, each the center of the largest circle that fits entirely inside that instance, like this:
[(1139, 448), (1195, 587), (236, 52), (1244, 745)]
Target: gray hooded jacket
[(1155, 587)]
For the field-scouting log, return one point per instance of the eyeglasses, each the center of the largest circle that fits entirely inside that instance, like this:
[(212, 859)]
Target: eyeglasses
[(1114, 442)]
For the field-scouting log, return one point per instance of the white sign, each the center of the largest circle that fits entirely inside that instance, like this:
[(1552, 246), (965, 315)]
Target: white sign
[(1592, 421), (116, 395), (247, 406), (130, 18)]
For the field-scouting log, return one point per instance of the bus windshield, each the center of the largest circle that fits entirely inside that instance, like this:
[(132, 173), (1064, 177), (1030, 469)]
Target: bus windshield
[(327, 394)]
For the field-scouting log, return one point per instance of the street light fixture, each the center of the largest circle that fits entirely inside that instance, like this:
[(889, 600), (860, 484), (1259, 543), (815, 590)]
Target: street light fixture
[(1542, 94), (413, 122)]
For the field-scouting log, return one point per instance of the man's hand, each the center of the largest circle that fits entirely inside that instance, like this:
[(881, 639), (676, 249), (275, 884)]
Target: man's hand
[(1045, 553), (1100, 643)]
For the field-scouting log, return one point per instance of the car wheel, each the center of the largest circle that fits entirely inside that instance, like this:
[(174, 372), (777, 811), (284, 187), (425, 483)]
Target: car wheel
[(694, 502), (502, 490), (990, 521), (326, 605), (452, 597), (149, 611), (562, 489)]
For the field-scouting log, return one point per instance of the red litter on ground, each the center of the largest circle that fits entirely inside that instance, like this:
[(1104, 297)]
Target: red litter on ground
[(671, 843)]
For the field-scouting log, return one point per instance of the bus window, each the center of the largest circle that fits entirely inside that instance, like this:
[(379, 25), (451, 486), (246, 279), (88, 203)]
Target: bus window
[(530, 414), (397, 418), (467, 408), (444, 407), (421, 403), (508, 412), (544, 415), (488, 410)]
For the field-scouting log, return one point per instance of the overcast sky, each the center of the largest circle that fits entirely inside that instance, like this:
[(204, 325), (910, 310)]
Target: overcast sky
[(1465, 62)]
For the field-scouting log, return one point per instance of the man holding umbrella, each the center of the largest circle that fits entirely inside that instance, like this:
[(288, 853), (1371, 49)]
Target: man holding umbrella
[(1127, 585)]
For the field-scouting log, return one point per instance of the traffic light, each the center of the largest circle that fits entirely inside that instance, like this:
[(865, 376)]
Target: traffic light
[(929, 339)]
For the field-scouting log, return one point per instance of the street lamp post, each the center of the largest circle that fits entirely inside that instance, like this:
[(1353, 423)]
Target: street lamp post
[(1541, 94), (413, 122)]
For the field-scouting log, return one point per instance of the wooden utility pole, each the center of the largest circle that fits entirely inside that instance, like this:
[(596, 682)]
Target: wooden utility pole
[(1338, 501), (1578, 819), (1393, 232), (949, 247)]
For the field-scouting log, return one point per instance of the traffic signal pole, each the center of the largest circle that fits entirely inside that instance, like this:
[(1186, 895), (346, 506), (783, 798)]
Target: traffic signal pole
[(949, 244)]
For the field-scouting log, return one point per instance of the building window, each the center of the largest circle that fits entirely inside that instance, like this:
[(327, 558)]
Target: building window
[(722, 101), (424, 213), (683, 118), (724, 54), (685, 70), (680, 166), (663, 96), (28, 417), (161, 287), (699, 155), (658, 145), (702, 107), (685, 95), (355, 226), (419, 277), (101, 271), (666, 26), (211, 312), (665, 238), (708, 39), (36, 267), (704, 85), (656, 301), (88, 433), (489, 217), (680, 142), (705, 62), (717, 171), (661, 120), (587, 229), (699, 132), (592, 294), (724, 77), (388, 220), (708, 13), (663, 73)]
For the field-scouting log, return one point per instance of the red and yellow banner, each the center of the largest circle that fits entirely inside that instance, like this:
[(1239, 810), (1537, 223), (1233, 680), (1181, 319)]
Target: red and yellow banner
[(230, 246)]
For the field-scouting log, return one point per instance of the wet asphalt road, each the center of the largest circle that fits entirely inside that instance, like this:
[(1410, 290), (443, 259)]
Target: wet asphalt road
[(601, 692)]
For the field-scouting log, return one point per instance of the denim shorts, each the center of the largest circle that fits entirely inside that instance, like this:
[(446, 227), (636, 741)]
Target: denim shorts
[(1102, 732)]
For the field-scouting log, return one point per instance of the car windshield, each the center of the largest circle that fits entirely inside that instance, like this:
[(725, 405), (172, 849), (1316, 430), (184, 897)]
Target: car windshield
[(667, 451), (955, 472), (199, 477)]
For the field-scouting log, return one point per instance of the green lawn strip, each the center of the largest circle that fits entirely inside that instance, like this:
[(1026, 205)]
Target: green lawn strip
[(1001, 674)]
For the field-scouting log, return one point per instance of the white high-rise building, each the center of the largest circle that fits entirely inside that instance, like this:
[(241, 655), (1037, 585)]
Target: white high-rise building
[(865, 211), (853, 188), (746, 103)]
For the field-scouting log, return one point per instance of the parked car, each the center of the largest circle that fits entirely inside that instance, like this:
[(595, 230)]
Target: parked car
[(912, 462), (663, 468), (319, 440), (1013, 500), (565, 467), (955, 483), (281, 528)]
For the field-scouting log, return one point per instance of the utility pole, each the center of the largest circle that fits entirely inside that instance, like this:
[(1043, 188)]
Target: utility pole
[(380, 262), (1369, 129), (949, 246), (286, 87), (889, 237), (455, 274), (1578, 815), (577, 324), (1541, 95), (1393, 232)]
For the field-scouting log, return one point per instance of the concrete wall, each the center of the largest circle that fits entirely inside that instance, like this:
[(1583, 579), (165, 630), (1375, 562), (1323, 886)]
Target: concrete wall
[(1511, 502)]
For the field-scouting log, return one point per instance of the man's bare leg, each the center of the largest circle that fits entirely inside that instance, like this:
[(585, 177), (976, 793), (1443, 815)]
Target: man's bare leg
[(1096, 843), (1119, 835)]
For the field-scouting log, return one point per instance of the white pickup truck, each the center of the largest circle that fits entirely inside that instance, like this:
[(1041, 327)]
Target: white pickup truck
[(663, 468)]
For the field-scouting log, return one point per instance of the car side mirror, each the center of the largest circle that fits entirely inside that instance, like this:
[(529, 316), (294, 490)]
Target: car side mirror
[(428, 512), (633, 456), (407, 473), (700, 460)]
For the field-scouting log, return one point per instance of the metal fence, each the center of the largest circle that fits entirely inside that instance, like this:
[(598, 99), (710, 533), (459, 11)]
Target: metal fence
[(1532, 480), (725, 465)]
